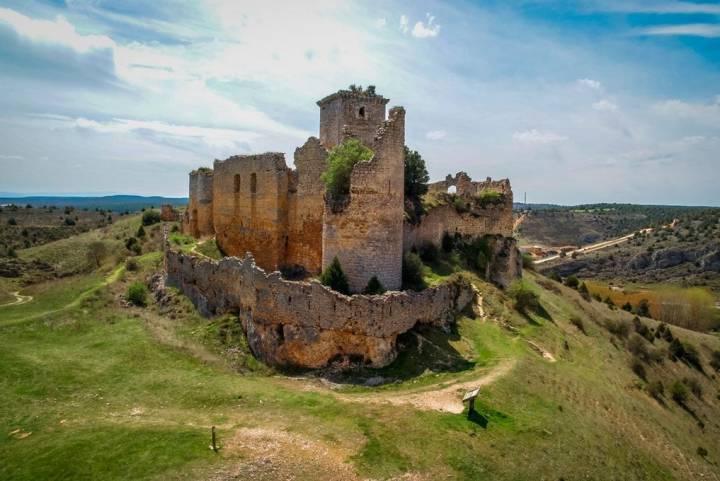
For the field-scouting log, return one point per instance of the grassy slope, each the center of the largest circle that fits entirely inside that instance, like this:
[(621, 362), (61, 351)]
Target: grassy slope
[(125, 393)]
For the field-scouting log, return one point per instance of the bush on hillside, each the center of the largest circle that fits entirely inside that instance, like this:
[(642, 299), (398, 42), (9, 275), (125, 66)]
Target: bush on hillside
[(555, 276), (627, 307), (69, 221), (447, 242), (374, 286), (12, 221), (643, 308), (583, 290), (140, 232), (96, 252), (577, 322), (637, 367), (572, 282), (715, 360), (137, 294), (619, 327), (132, 244), (679, 392), (340, 163), (150, 217), (132, 265), (335, 278), (528, 262), (694, 386), (638, 347), (656, 389), (524, 296), (412, 272)]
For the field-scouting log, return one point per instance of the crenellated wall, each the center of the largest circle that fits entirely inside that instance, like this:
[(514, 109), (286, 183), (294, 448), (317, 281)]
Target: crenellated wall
[(366, 234), (304, 323)]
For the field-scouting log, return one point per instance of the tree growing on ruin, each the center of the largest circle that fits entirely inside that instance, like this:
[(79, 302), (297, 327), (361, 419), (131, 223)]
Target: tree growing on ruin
[(340, 163), (334, 277), (416, 179), (374, 286)]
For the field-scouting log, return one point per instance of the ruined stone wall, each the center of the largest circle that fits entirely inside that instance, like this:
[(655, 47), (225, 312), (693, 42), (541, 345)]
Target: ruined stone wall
[(465, 186), (250, 207), (168, 213), (199, 221), (362, 114), (367, 235), (305, 323), (305, 207)]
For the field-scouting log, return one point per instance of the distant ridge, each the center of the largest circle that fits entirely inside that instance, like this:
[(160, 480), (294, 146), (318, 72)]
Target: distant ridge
[(118, 203)]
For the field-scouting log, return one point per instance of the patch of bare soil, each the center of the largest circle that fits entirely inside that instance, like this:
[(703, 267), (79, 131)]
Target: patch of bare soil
[(271, 454), (447, 398)]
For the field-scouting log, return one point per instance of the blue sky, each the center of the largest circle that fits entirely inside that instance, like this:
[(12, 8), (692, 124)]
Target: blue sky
[(583, 101)]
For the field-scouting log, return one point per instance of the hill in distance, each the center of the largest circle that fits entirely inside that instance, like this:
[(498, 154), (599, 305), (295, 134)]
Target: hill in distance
[(116, 203)]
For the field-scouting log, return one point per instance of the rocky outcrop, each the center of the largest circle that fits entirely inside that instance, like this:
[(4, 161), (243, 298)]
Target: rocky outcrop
[(505, 263), (305, 324)]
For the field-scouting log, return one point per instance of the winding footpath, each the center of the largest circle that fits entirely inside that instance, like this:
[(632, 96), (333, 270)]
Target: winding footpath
[(19, 299)]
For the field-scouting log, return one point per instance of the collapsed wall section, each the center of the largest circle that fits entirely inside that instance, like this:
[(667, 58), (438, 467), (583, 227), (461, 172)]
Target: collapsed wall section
[(366, 235), (304, 323), (250, 207)]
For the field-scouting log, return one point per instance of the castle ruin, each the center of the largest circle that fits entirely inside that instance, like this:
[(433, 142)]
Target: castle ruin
[(283, 219)]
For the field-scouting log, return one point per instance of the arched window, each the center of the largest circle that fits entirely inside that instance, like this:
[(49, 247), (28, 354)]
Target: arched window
[(253, 183), (452, 189), (236, 183)]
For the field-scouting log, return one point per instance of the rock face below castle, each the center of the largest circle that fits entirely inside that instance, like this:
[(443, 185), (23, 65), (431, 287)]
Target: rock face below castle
[(305, 324)]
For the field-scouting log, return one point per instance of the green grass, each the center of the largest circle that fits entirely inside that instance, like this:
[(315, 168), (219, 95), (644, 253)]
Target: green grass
[(209, 248), (109, 393)]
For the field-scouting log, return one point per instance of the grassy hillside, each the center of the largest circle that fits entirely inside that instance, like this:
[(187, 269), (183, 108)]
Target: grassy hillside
[(94, 388)]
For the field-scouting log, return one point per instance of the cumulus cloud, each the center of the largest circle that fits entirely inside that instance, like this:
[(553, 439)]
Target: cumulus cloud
[(605, 106), (380, 23), (708, 30), (534, 136), (426, 30), (589, 83), (436, 135), (689, 110), (11, 157)]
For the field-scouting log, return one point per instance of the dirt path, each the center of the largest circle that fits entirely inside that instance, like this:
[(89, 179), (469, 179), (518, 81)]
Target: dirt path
[(442, 397), (19, 299)]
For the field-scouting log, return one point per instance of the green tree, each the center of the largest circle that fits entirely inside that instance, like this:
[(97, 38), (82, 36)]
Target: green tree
[(149, 217), (374, 286), (96, 252), (335, 278), (416, 175), (572, 282), (412, 272), (137, 293), (140, 232), (340, 163), (524, 296), (678, 392)]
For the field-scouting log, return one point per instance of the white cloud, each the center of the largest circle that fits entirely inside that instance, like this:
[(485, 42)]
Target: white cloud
[(687, 110), (589, 83), (58, 31), (217, 138), (421, 30), (436, 135), (380, 23), (605, 106), (709, 30), (534, 136), (404, 24), (11, 157)]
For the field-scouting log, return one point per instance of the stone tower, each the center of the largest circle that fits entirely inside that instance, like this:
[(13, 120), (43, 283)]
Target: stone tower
[(366, 234), (361, 111)]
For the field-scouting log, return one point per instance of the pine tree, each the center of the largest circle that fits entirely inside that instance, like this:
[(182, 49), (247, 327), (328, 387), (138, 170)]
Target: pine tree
[(140, 231), (335, 278), (374, 286)]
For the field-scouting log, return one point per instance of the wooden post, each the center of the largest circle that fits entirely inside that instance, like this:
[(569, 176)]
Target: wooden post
[(214, 444)]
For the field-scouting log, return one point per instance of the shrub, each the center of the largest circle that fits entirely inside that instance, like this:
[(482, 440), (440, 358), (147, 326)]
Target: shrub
[(132, 244), (137, 294), (69, 221), (694, 386), (132, 265), (702, 452), (140, 232), (412, 272), (340, 163), (627, 307), (678, 392), (555, 276), (692, 357), (637, 367), (577, 322), (643, 330), (609, 303), (656, 389), (643, 308), (429, 252), (374, 286), (335, 278), (619, 327), (149, 217), (12, 221), (572, 282), (525, 298), (528, 262), (583, 290), (638, 347)]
